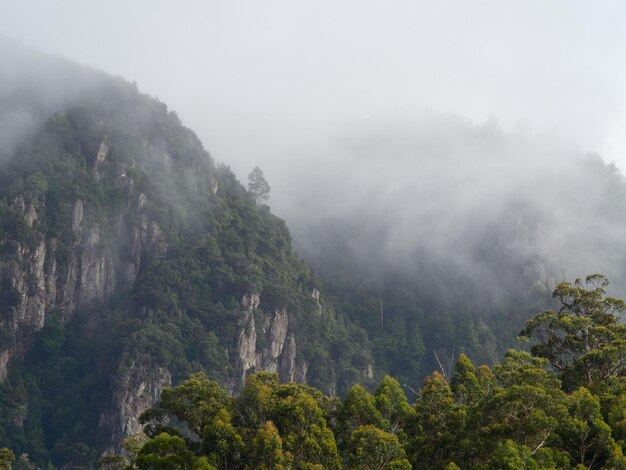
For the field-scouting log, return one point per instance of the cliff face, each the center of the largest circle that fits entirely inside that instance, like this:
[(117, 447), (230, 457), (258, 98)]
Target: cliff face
[(128, 260), (136, 387), (99, 257), (265, 349)]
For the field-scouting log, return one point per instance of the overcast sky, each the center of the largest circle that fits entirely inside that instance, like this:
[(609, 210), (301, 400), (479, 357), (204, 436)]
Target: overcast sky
[(258, 80)]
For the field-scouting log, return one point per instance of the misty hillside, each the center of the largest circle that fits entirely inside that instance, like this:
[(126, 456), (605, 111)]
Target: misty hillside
[(451, 223), (130, 260)]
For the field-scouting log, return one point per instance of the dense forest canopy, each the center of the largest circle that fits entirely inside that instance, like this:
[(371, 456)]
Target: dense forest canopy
[(528, 412)]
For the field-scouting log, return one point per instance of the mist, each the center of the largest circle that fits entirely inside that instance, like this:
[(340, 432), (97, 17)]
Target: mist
[(436, 194), (416, 137), (35, 85)]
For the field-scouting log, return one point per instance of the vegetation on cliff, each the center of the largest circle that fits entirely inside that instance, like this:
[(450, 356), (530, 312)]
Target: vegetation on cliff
[(128, 261), (528, 412)]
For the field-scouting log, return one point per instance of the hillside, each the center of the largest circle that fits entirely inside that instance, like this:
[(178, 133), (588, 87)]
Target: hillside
[(439, 234), (130, 260)]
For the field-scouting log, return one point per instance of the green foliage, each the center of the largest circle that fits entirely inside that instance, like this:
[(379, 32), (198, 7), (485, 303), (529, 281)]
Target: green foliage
[(266, 451), (371, 448), (205, 243), (197, 401), (6, 459), (392, 404), (165, 452), (584, 341), (156, 202), (258, 187)]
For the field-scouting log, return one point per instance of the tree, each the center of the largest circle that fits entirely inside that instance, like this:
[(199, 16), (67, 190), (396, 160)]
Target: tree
[(526, 404), (222, 441), (6, 459), (438, 423), (303, 426), (196, 402), (585, 434), (258, 187), (512, 456), (464, 384), (392, 405), (371, 448), (358, 409), (584, 341), (165, 452), (267, 449)]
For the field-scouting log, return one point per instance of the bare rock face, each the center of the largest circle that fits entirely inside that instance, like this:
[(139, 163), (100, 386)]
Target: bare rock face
[(4, 360), (144, 237), (25, 283), (268, 345), (276, 332), (100, 158), (97, 273), (37, 287), (137, 387), (39, 278), (287, 361)]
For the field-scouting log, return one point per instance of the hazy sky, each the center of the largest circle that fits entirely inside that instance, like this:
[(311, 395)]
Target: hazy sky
[(259, 80)]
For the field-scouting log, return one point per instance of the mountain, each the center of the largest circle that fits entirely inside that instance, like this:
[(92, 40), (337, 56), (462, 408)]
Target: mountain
[(129, 260), (437, 234)]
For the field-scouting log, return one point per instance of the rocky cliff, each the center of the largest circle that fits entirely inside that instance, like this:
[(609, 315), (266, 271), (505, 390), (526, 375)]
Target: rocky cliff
[(130, 260)]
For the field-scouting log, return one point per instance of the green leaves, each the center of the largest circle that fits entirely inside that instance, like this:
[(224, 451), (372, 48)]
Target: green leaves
[(165, 452), (371, 448), (258, 186), (584, 341)]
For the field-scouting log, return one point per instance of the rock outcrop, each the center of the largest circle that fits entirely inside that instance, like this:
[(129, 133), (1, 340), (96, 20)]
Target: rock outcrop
[(264, 343), (38, 278), (136, 388)]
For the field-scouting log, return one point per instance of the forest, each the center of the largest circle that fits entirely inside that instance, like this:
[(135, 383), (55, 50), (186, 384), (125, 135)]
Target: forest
[(156, 313), (560, 406)]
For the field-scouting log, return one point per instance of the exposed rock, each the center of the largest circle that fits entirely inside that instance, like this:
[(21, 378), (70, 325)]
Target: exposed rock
[(30, 215), (77, 215), (315, 294), (100, 158), (90, 271), (287, 361), (301, 370), (50, 274), (125, 183), (278, 350), (4, 360), (250, 302), (246, 345), (26, 282), (19, 205), (276, 336), (136, 388), (141, 200), (97, 273), (144, 238)]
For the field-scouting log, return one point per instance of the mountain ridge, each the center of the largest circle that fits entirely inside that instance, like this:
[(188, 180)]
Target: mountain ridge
[(129, 260)]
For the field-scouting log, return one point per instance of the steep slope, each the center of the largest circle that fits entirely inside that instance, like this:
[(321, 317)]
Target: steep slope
[(129, 260)]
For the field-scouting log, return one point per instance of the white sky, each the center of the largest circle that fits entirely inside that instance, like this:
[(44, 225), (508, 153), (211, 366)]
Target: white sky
[(259, 79)]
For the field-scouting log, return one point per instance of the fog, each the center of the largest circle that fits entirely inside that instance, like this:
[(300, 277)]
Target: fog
[(34, 85), (437, 196), (451, 134)]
